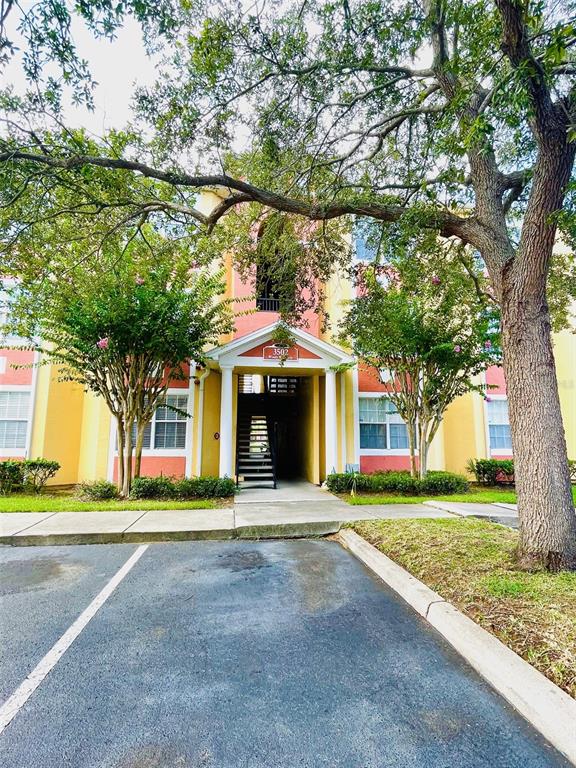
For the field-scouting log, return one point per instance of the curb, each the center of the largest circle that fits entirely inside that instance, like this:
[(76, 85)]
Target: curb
[(275, 531), (546, 707)]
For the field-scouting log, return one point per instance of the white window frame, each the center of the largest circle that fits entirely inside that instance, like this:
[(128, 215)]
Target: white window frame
[(182, 392), (494, 451), (378, 451), (18, 453)]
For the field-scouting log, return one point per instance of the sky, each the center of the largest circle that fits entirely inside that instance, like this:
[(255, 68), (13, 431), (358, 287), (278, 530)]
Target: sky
[(116, 66)]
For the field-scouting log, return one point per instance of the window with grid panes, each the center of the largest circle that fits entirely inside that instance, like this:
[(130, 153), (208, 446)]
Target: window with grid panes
[(170, 425), (14, 411), (381, 427), (499, 425), (167, 428)]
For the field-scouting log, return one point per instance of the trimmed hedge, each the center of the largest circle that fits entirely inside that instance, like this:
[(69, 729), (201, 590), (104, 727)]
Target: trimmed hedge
[(492, 471), (162, 487), (30, 473), (98, 490), (11, 476), (434, 484), (501, 471)]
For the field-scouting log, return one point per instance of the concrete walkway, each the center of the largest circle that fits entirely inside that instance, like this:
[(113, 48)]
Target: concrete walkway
[(271, 518), (293, 509), (504, 514)]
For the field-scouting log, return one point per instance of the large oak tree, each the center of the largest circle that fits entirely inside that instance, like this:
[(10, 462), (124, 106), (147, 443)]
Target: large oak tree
[(456, 116)]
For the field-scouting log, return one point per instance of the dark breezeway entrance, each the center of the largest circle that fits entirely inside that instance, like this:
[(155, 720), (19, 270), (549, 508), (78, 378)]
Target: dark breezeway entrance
[(272, 443)]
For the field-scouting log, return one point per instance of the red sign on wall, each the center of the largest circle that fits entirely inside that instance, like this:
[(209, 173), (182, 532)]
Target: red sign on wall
[(280, 353)]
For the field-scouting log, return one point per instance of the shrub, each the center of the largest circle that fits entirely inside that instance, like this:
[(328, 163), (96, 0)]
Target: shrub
[(38, 471), (435, 483), (98, 490), (160, 487), (441, 483), (186, 488), (492, 471), (11, 476), (204, 487)]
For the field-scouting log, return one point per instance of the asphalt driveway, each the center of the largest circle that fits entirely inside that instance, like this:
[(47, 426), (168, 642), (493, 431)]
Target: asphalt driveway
[(238, 654)]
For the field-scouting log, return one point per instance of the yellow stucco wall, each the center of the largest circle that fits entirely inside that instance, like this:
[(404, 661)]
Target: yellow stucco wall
[(56, 432), (565, 355), (95, 441), (436, 455), (211, 425), (350, 425), (310, 428), (464, 432)]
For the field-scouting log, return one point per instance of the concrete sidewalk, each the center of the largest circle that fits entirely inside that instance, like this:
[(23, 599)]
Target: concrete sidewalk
[(246, 520), (504, 514)]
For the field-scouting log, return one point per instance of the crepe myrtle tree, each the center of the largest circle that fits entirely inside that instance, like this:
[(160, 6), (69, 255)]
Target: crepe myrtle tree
[(431, 336), (456, 116), (125, 328)]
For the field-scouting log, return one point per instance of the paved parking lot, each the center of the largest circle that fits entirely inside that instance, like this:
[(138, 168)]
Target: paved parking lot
[(237, 654)]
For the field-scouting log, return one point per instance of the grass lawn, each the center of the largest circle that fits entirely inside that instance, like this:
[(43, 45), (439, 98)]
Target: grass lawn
[(45, 502), (471, 564), (476, 494)]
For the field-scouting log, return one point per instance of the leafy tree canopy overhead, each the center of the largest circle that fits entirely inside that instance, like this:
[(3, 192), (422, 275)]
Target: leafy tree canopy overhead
[(456, 116), (336, 108)]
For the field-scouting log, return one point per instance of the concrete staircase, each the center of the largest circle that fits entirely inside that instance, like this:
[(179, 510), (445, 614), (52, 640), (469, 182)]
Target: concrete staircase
[(254, 455)]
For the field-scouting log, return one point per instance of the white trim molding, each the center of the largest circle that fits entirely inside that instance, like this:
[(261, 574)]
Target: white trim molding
[(232, 354), (505, 452), (377, 451)]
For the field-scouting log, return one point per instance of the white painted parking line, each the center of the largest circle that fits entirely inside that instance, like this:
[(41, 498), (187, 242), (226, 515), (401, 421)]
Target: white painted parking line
[(16, 701)]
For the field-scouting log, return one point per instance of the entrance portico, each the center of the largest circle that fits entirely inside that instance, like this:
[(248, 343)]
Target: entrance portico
[(327, 439)]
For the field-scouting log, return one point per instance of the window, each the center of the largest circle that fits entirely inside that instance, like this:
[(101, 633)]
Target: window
[(267, 293), (275, 273), (167, 430), (170, 426), (499, 425), (14, 410), (381, 427), (366, 234)]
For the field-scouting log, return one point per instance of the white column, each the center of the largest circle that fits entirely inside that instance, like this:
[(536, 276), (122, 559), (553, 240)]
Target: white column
[(356, 407), (190, 423), (226, 422), (330, 423), (343, 421)]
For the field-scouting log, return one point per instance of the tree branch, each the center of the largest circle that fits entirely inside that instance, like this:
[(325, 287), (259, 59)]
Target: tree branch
[(444, 221)]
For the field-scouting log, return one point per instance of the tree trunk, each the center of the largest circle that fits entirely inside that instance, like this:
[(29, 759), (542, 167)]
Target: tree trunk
[(120, 440), (127, 483), (545, 506), (138, 449), (412, 448), (423, 451)]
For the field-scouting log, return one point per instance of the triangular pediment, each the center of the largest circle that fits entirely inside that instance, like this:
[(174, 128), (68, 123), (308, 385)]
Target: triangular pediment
[(258, 348), (265, 349)]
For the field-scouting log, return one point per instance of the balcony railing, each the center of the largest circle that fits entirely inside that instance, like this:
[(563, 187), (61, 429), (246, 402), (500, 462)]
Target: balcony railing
[(265, 304)]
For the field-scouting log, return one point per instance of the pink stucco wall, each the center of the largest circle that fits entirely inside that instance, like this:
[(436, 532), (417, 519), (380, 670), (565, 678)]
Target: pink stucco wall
[(495, 376), (18, 376), (153, 466), (380, 463)]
